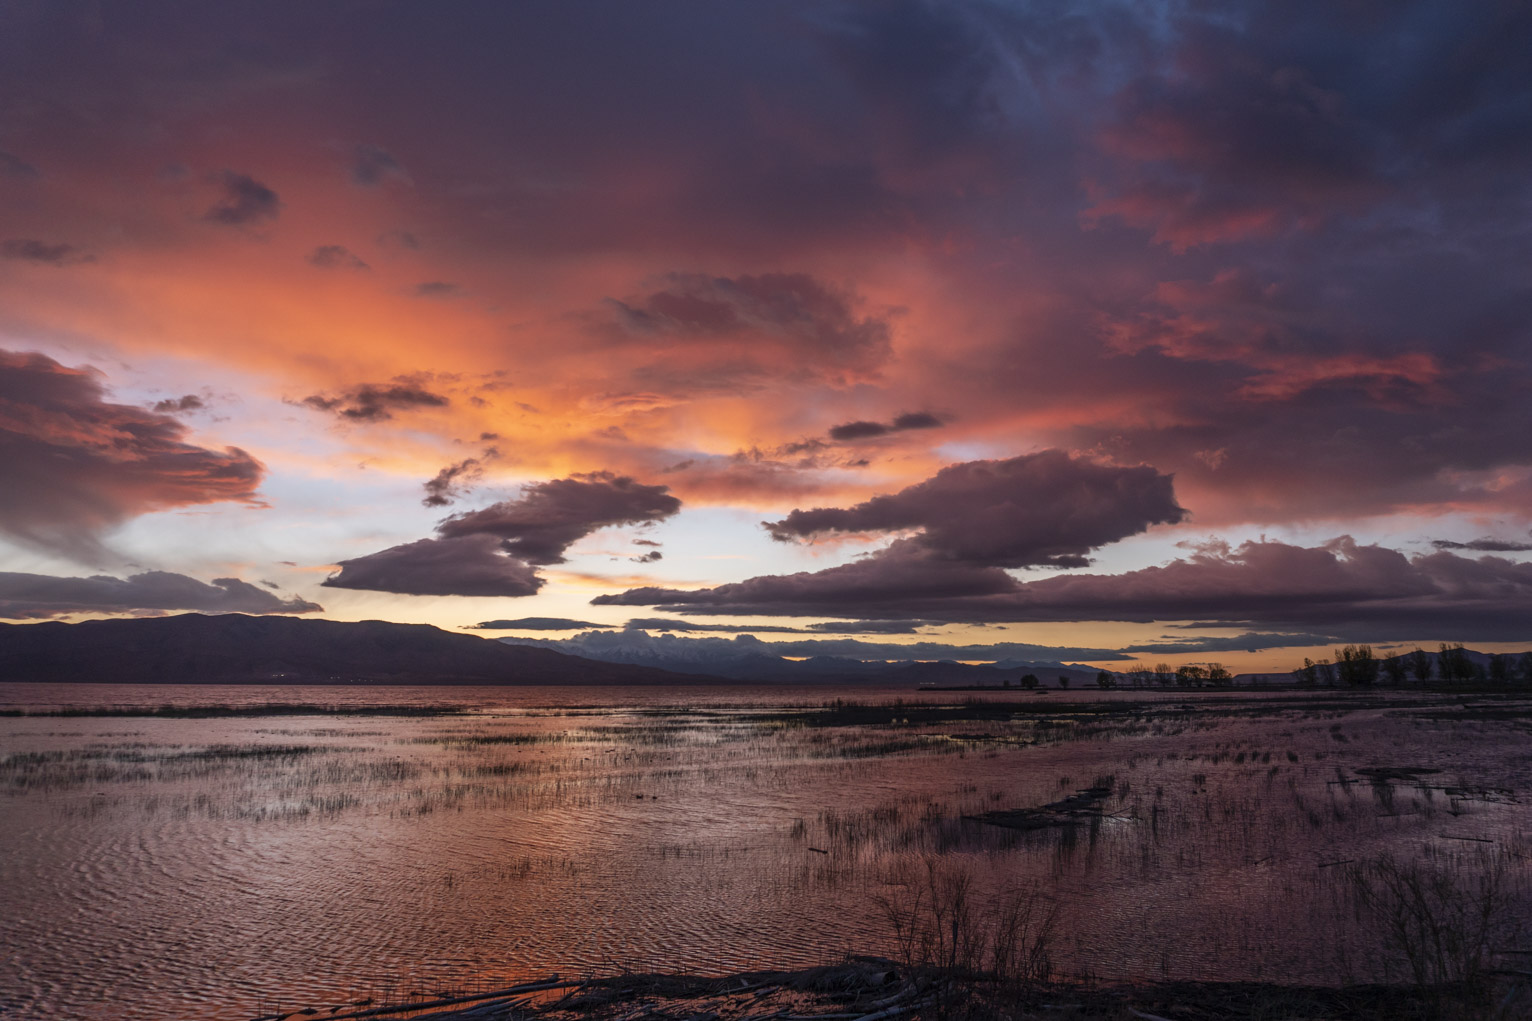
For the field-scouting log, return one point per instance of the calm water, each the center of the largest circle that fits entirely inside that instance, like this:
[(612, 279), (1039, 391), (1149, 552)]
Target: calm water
[(220, 868)]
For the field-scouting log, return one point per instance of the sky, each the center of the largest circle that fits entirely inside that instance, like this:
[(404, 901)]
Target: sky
[(1108, 330)]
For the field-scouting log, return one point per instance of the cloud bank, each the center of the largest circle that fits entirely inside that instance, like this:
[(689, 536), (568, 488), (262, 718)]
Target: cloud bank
[(39, 596), (1339, 584)]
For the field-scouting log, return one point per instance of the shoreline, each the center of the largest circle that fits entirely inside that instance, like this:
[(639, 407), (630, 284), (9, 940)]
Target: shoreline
[(865, 988)]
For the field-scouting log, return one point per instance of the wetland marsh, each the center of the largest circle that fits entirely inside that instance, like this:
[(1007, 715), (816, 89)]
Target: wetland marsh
[(219, 853)]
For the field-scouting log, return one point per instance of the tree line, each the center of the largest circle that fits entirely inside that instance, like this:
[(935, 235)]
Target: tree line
[(1191, 675), (1356, 666)]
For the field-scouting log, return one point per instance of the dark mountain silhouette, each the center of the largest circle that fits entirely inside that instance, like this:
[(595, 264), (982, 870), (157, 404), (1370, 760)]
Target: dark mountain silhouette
[(195, 648)]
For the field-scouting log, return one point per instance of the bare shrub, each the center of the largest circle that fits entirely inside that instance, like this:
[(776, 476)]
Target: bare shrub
[(1440, 923), (941, 922)]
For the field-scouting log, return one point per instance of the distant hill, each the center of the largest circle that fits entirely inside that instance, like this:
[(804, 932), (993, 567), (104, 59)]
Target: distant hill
[(194, 648)]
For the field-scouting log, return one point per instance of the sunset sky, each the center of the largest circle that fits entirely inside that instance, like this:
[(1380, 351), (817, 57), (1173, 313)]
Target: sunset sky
[(1109, 331)]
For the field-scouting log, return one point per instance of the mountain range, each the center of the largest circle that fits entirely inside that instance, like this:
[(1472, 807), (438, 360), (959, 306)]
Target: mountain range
[(746, 658), (229, 648)]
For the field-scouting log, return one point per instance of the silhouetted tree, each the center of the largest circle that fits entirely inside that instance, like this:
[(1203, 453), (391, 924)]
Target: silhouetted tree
[(1029, 680), (1453, 662), (1356, 665), (1308, 674), (1420, 665), (1218, 677), (1500, 668), (1395, 669), (1063, 681), (1105, 680), (1164, 674), (1191, 675), (1326, 672)]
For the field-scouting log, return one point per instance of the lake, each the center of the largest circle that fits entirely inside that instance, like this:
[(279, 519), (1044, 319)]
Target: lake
[(220, 852)]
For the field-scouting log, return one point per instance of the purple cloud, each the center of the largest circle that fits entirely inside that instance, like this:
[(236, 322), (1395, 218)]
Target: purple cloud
[(851, 431), (245, 201), (496, 551), (550, 516), (73, 464), (470, 565), (335, 257), (1038, 509), (376, 402), (30, 250)]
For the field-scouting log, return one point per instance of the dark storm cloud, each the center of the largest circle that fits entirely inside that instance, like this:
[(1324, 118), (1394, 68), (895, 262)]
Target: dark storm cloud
[(930, 72), (372, 165), (1038, 509), (245, 201), (376, 402), (1287, 115), (39, 596), (1333, 586), (335, 257), (537, 624), (1359, 167), (28, 250), (1237, 146), (791, 312), (1485, 545), (73, 465), (470, 565), (175, 405), (551, 516), (848, 431)]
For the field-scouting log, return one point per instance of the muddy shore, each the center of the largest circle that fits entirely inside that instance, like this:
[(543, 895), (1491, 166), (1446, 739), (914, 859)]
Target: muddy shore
[(875, 989)]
